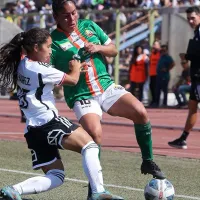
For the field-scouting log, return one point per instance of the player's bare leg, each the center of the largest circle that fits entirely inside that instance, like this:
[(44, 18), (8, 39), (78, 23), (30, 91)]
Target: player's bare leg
[(134, 110)]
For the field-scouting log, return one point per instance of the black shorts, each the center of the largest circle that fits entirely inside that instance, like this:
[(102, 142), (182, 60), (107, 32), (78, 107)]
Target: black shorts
[(44, 141), (195, 91)]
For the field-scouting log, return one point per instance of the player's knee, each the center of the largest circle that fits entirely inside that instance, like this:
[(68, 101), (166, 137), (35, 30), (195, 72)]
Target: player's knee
[(140, 114), (97, 137), (96, 134)]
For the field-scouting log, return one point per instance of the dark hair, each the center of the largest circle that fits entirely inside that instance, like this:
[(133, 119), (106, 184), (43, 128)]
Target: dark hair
[(135, 54), (193, 9), (164, 46), (10, 54), (57, 5)]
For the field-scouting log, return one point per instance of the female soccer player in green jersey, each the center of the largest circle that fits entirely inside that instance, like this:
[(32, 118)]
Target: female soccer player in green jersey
[(96, 91)]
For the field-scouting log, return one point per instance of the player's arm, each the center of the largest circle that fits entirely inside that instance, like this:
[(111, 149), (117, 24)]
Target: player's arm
[(57, 77), (109, 50), (106, 48), (72, 77)]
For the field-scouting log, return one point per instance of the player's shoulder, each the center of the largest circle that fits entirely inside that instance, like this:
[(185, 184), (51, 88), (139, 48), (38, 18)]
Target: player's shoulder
[(85, 22), (37, 66), (56, 34), (45, 64), (41, 68)]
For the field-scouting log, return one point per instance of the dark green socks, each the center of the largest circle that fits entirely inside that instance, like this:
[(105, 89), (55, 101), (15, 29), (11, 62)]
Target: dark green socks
[(143, 136)]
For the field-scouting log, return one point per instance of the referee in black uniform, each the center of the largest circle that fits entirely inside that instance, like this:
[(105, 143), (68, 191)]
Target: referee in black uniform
[(193, 55)]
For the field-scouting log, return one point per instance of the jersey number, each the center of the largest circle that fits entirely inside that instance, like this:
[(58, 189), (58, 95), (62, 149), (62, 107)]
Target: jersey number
[(85, 102)]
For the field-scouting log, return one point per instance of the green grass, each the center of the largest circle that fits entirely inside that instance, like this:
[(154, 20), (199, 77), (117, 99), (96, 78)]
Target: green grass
[(120, 169)]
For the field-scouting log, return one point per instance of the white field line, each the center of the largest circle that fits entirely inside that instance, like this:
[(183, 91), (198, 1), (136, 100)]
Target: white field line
[(108, 185)]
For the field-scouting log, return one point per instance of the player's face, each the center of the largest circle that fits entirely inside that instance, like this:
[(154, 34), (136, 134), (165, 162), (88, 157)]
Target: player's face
[(193, 19), (67, 17), (44, 51)]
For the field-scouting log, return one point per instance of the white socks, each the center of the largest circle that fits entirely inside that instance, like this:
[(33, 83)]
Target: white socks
[(55, 177), (92, 167), (51, 180)]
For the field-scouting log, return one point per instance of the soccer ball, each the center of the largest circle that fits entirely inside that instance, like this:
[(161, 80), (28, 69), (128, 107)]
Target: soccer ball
[(159, 190)]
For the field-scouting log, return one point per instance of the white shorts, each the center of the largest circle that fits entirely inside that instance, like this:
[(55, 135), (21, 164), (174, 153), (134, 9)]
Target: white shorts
[(101, 102)]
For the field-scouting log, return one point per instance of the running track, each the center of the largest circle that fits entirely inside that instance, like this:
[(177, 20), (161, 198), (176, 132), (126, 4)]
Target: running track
[(117, 132)]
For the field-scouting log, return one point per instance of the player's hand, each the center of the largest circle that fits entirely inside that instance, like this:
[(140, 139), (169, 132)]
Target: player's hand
[(76, 65), (91, 48), (84, 68)]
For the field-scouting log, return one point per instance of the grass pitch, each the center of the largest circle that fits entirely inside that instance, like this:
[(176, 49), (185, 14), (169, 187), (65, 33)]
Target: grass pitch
[(121, 173)]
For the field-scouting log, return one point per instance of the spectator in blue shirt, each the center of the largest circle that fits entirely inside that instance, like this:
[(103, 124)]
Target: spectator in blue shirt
[(165, 64)]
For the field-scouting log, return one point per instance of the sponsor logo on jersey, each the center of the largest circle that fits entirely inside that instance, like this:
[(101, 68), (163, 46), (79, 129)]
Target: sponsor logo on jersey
[(89, 33), (65, 46)]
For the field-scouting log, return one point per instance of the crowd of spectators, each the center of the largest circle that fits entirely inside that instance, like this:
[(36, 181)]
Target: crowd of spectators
[(19, 8), (28, 6), (43, 7)]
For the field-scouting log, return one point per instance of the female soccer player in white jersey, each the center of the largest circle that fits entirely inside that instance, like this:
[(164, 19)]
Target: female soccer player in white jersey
[(46, 131)]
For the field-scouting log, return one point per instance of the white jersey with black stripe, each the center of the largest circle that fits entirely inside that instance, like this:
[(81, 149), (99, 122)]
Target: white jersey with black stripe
[(35, 83)]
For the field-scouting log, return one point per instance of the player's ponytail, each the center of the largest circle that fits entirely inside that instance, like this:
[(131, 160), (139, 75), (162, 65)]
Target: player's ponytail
[(10, 55)]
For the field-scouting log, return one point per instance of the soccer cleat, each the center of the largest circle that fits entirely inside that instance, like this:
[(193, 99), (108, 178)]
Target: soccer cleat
[(150, 167), (9, 193), (105, 196), (178, 143)]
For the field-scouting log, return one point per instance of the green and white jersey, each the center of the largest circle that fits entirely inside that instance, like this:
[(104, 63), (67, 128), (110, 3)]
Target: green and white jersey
[(96, 80)]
